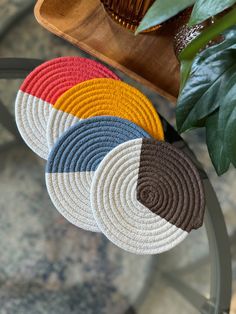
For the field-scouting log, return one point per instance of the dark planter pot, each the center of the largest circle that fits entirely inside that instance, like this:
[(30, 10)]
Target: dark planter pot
[(185, 34)]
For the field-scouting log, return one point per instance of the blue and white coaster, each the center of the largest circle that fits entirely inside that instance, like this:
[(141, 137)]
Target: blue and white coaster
[(75, 157)]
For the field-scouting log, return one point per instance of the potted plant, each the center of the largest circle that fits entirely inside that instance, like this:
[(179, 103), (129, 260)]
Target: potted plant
[(207, 95), (127, 13)]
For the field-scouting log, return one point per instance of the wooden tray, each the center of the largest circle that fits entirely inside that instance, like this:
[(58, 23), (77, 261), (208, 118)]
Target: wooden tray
[(148, 58)]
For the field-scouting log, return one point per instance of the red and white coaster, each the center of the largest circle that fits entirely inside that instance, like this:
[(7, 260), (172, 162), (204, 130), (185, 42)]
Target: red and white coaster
[(41, 89)]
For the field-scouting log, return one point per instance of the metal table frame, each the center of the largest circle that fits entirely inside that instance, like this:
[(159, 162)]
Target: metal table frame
[(220, 259), (219, 247)]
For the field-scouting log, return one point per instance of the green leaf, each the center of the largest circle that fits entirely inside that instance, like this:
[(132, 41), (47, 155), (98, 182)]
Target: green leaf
[(189, 66), (229, 42), (161, 11), (227, 119), (230, 33), (215, 145), (230, 136), (185, 69), (220, 26), (199, 98), (203, 9)]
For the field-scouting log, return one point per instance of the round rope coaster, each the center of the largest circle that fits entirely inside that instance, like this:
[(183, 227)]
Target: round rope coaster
[(102, 97), (41, 89), (146, 196), (73, 160)]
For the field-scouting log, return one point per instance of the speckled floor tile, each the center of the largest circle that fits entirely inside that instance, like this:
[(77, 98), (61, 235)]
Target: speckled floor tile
[(44, 257), (49, 266)]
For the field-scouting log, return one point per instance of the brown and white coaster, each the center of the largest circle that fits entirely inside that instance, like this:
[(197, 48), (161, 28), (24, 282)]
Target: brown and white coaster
[(146, 196)]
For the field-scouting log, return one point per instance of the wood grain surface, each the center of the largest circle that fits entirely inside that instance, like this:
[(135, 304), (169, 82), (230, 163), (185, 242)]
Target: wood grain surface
[(149, 58)]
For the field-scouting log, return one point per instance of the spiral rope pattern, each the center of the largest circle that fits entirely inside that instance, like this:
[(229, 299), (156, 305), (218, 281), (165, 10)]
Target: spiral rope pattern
[(103, 97), (40, 90), (74, 159), (146, 196)]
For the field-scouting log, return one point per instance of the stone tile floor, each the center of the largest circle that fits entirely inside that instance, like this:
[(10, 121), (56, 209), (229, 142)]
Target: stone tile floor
[(48, 265)]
